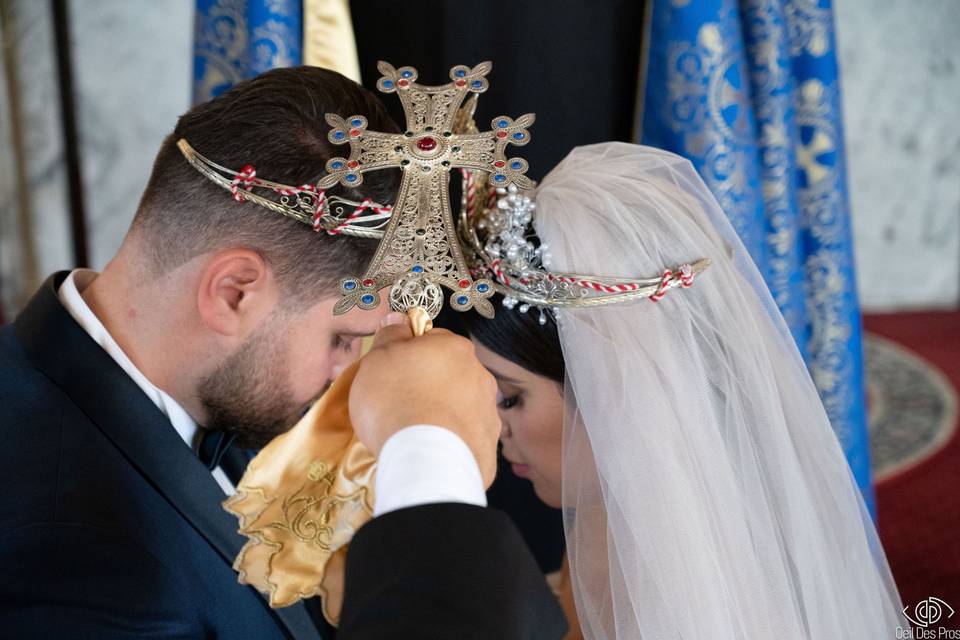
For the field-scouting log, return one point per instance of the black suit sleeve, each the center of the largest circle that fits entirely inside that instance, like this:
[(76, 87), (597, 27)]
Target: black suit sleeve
[(445, 571), (67, 580)]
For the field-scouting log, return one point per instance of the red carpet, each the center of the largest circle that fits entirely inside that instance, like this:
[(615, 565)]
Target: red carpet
[(918, 509)]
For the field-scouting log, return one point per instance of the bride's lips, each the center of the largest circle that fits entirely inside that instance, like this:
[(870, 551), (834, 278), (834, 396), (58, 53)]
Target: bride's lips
[(519, 470)]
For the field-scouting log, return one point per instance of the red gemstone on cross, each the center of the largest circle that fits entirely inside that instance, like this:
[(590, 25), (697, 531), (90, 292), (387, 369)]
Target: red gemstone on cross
[(464, 284), (501, 134), (404, 83), (499, 163), (426, 143), (461, 82), (354, 132), (353, 164), (368, 282)]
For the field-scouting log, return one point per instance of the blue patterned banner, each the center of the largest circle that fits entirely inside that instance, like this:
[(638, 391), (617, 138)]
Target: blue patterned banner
[(237, 39), (748, 90)]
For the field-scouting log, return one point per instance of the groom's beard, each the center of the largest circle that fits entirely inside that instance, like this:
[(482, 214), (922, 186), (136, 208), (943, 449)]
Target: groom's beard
[(246, 396)]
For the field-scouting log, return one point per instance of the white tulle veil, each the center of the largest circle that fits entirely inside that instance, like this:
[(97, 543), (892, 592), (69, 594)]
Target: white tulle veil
[(705, 493)]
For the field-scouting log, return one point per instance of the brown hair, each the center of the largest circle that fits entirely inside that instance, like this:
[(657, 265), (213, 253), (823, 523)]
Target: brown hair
[(276, 123)]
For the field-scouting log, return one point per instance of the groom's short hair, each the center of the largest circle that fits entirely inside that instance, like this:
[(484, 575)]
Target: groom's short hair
[(274, 122)]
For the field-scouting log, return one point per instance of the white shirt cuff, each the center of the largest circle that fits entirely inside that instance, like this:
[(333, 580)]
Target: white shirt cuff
[(426, 464)]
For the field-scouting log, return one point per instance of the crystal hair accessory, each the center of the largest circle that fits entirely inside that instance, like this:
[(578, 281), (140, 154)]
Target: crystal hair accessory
[(500, 240)]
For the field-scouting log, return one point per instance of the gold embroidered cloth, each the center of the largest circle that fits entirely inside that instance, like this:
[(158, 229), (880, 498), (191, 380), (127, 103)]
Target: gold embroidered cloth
[(303, 498), (300, 502)]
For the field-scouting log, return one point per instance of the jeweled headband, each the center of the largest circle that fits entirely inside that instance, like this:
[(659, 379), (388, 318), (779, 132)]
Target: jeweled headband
[(422, 251)]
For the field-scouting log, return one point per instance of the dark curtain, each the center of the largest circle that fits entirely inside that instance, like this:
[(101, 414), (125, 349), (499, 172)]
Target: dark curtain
[(574, 64)]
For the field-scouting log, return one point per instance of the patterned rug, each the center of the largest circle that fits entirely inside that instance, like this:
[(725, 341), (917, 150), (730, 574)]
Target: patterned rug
[(912, 407)]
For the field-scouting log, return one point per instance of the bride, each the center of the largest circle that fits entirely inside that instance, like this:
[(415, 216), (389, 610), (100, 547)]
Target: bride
[(704, 492)]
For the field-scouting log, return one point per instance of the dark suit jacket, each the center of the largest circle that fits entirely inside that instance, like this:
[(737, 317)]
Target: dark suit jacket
[(111, 528)]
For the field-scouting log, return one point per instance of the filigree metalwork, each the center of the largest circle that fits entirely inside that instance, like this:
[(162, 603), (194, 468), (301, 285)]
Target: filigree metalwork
[(306, 203), (420, 243), (300, 203)]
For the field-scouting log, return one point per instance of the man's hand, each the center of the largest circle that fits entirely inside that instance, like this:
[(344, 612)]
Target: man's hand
[(432, 379)]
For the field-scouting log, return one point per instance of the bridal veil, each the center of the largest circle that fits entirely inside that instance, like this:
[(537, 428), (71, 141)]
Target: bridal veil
[(705, 493)]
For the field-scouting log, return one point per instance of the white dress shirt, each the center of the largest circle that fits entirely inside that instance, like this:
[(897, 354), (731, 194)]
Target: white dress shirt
[(421, 464), (425, 464)]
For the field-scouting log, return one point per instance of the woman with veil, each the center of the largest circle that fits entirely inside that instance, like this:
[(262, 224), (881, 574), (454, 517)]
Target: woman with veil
[(704, 492)]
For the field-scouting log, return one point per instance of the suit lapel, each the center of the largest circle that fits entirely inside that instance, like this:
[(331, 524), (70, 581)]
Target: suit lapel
[(63, 351)]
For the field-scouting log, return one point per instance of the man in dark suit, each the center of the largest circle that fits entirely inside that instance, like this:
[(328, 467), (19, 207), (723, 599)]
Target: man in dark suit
[(219, 313)]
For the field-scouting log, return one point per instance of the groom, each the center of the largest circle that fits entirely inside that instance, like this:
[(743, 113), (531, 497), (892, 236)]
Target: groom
[(128, 397)]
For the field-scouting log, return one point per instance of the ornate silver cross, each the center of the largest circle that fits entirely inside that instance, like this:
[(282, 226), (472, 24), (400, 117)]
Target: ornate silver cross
[(419, 252)]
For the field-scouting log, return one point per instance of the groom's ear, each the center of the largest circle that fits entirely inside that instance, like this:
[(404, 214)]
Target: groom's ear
[(236, 292)]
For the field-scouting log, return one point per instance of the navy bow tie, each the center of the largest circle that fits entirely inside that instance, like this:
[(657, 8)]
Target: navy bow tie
[(214, 443)]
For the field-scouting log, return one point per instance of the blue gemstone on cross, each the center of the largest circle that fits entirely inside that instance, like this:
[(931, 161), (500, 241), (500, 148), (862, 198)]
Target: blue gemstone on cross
[(502, 123), (516, 165), (388, 84), (339, 135), (367, 299), (462, 300), (336, 165), (357, 122), (417, 269), (500, 177), (518, 135), (407, 74), (483, 287), (351, 177), (460, 73), (350, 285), (476, 84)]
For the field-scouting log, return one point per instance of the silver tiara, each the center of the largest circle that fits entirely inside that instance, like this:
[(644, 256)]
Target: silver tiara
[(499, 233)]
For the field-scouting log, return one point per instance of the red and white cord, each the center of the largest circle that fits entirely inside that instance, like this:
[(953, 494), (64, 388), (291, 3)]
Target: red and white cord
[(246, 177), (683, 278), (471, 192), (596, 286), (366, 204), (319, 209)]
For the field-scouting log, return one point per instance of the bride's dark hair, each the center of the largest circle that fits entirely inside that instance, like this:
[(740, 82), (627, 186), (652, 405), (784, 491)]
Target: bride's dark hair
[(519, 337)]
